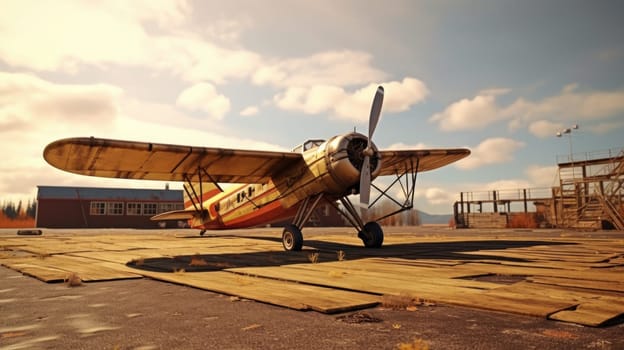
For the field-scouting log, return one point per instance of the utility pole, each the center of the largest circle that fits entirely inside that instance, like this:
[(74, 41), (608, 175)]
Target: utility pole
[(568, 131)]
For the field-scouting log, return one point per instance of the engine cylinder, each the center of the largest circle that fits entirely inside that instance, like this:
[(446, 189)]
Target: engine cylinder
[(344, 156)]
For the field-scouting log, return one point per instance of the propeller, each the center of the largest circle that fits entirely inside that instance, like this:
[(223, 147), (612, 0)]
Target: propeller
[(365, 174)]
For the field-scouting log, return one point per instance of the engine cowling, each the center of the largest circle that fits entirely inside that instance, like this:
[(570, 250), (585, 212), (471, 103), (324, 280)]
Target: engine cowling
[(344, 155)]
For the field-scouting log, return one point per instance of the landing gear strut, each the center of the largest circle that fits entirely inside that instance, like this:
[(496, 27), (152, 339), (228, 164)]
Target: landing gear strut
[(292, 239), (370, 233)]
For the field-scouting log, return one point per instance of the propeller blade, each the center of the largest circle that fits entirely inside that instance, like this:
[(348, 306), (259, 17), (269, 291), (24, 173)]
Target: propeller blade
[(365, 172), (375, 112), (365, 179)]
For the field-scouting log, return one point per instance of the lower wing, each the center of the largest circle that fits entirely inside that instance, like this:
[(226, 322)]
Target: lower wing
[(401, 161)]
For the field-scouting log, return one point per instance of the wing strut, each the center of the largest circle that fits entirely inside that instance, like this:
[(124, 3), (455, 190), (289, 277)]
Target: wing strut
[(192, 197), (409, 175), (405, 178), (196, 198)]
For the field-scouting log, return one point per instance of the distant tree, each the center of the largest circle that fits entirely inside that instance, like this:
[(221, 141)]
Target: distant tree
[(12, 211), (31, 210), (406, 218), (9, 210)]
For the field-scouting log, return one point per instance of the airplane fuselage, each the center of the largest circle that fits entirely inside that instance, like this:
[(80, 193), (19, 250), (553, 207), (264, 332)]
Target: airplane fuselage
[(330, 168)]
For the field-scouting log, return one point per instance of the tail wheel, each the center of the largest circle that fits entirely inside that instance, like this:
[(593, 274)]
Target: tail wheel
[(292, 239), (372, 235)]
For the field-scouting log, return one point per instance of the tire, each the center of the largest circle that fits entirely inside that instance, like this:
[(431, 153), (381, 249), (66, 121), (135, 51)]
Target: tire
[(292, 239), (372, 235)]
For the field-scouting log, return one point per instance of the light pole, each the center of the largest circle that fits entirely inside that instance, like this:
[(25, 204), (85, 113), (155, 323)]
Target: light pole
[(568, 131)]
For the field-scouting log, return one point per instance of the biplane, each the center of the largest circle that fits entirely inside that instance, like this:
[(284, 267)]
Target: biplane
[(270, 186)]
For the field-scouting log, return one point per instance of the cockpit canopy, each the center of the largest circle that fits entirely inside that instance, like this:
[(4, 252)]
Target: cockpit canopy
[(308, 145)]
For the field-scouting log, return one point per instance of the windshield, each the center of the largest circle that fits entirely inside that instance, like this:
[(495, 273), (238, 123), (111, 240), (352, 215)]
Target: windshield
[(309, 144)]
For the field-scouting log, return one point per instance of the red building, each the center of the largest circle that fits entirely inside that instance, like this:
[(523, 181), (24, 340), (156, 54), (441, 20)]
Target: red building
[(87, 207)]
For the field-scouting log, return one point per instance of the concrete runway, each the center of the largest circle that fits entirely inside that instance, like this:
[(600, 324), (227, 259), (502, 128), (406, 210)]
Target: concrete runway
[(151, 314)]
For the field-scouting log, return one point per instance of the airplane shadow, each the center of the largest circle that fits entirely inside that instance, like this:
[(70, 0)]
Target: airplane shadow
[(323, 251)]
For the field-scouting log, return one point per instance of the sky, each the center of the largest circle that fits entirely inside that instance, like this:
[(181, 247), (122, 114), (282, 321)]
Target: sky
[(498, 77)]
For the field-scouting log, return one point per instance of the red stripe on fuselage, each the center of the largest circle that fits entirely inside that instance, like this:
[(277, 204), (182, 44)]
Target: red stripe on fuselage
[(267, 214)]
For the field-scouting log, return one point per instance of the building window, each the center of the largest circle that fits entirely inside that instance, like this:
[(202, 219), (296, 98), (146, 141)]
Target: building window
[(114, 208), (98, 208), (165, 207), (150, 208), (133, 209)]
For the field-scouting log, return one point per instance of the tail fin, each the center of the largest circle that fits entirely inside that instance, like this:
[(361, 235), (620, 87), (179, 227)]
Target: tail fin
[(203, 192)]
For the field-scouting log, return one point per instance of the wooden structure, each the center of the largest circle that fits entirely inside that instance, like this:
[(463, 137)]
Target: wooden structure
[(569, 279), (497, 209), (590, 193)]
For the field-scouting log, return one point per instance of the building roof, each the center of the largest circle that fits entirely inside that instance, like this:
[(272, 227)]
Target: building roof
[(101, 193)]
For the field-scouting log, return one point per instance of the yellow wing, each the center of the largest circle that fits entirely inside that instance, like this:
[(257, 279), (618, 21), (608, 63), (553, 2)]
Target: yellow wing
[(152, 161), (393, 162)]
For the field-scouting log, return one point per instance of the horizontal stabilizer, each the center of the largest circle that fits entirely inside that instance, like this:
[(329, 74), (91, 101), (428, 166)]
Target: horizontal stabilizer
[(176, 215)]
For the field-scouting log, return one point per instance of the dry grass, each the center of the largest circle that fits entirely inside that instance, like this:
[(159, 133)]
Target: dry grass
[(137, 262), (451, 223), (417, 344), (250, 327), (522, 220), (403, 302), (197, 260), (73, 280), (554, 333), (336, 274), (341, 255), (21, 222), (313, 257), (244, 280)]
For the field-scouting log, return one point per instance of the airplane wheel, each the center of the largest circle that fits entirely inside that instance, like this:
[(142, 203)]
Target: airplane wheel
[(292, 239), (372, 235), (202, 232)]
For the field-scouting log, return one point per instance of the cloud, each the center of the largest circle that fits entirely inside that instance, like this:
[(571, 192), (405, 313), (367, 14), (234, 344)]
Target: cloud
[(469, 114), (35, 112), (204, 97), (568, 106), (111, 32), (399, 96), (544, 128), (339, 68), (29, 104), (133, 34), (249, 111), (120, 33), (603, 128), (542, 176), (543, 118), (490, 151), (436, 195)]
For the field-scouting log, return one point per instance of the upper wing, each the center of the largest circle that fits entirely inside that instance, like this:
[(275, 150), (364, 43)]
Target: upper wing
[(152, 161), (398, 162)]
